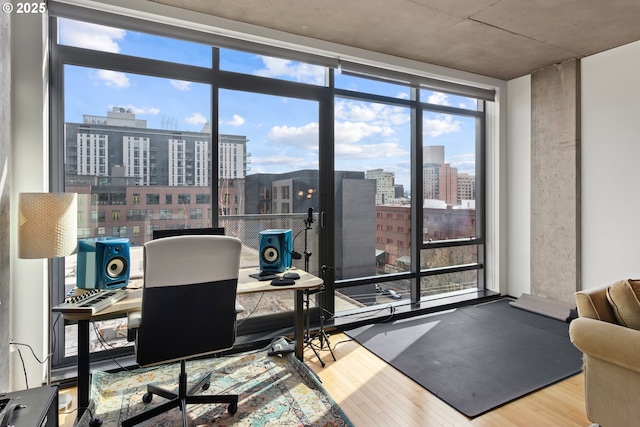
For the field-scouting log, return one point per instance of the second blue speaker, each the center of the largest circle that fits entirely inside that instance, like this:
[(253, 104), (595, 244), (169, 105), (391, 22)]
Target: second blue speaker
[(275, 250), (103, 263)]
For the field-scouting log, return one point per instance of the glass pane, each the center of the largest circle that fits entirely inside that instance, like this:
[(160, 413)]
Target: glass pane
[(446, 257), (278, 186), (372, 158), (439, 98), (139, 156), (361, 84), (107, 335), (449, 176), (267, 66), (126, 42), (450, 283)]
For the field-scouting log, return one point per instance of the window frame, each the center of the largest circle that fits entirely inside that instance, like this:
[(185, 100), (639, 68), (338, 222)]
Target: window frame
[(61, 55)]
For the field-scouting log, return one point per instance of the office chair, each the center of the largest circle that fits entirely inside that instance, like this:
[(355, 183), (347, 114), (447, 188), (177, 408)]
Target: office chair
[(188, 310)]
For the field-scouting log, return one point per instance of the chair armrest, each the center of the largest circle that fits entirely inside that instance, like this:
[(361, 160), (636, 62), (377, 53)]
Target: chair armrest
[(133, 323), (612, 343), (239, 307)]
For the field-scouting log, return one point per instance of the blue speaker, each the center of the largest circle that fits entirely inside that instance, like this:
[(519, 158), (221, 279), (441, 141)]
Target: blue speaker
[(275, 250), (103, 263)]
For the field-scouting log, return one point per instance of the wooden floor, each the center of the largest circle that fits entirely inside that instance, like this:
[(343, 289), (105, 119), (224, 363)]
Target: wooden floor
[(372, 393)]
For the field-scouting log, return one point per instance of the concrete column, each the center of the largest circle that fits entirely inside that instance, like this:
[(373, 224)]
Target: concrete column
[(555, 181)]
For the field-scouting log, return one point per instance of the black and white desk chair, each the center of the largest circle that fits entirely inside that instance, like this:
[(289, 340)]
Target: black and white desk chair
[(188, 310)]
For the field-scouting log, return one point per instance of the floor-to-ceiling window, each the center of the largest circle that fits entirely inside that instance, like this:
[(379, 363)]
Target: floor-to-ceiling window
[(373, 123), (451, 255), (160, 131)]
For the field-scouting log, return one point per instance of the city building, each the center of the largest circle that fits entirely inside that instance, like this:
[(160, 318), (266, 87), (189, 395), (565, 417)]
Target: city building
[(98, 145), (385, 185)]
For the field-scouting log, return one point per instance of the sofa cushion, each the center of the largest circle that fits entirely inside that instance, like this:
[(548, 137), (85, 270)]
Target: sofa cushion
[(624, 297)]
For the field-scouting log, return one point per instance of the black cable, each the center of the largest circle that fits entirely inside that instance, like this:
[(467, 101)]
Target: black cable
[(24, 368), (341, 342), (251, 312), (54, 339), (107, 347), (42, 362)]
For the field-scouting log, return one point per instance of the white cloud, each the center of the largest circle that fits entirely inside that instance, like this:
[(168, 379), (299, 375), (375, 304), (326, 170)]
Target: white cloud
[(380, 114), (438, 99), (465, 163), (349, 136), (111, 78), (469, 104), (91, 36), (440, 125), (366, 130), (369, 151), (196, 119), (300, 72), (236, 121), (305, 136), (351, 132), (180, 85)]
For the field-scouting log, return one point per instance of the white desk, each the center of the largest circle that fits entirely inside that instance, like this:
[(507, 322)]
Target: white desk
[(133, 302)]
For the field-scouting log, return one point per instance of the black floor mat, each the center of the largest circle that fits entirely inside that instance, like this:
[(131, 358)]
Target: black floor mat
[(478, 357)]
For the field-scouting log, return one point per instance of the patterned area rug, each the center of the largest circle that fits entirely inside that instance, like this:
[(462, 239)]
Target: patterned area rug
[(273, 391)]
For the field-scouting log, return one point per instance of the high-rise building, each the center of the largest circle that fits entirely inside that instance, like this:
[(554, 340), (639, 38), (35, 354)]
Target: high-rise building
[(149, 156), (433, 154), (385, 185), (440, 182), (466, 187)]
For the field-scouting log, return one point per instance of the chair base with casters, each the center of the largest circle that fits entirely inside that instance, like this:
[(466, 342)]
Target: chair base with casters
[(181, 399)]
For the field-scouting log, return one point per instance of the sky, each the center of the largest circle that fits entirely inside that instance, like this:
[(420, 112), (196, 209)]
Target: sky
[(282, 132)]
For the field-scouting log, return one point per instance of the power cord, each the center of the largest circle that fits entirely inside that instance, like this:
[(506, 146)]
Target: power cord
[(107, 347), (251, 312), (24, 368)]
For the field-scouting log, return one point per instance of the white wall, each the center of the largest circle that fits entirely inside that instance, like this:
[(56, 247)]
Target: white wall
[(610, 144), (519, 187), (611, 166), (29, 297)]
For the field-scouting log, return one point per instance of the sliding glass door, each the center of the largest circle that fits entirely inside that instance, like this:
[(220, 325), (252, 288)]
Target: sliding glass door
[(278, 186)]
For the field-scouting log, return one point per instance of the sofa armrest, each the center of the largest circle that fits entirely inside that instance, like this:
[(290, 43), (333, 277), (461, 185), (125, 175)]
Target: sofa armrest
[(606, 341)]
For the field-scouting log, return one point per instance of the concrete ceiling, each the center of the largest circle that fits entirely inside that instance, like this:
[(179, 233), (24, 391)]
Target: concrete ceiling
[(503, 39)]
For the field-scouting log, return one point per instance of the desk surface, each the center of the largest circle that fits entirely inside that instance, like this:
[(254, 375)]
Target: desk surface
[(246, 285)]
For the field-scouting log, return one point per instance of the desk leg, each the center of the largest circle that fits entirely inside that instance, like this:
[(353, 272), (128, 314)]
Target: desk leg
[(83, 366), (298, 324)]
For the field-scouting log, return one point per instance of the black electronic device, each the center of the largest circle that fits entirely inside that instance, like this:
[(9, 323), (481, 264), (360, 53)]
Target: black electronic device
[(263, 276), (281, 281), (279, 349), (103, 263), (35, 407), (214, 231)]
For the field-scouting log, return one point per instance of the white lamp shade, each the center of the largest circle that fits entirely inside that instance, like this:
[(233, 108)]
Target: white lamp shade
[(48, 224)]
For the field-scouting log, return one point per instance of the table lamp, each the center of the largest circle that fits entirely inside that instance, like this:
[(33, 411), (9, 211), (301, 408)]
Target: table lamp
[(47, 225), (47, 228)]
